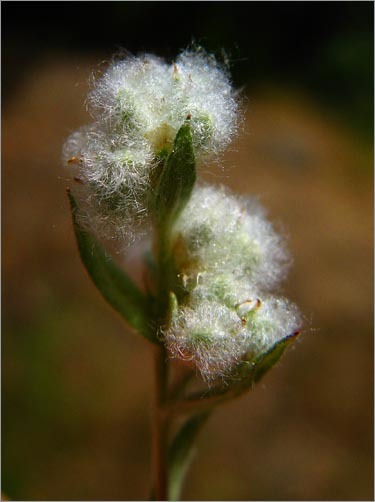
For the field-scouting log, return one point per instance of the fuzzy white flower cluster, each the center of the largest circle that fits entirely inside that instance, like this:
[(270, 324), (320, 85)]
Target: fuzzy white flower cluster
[(138, 106), (228, 257)]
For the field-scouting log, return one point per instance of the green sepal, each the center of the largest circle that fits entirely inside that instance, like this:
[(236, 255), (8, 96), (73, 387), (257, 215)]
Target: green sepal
[(114, 285), (181, 453), (176, 181)]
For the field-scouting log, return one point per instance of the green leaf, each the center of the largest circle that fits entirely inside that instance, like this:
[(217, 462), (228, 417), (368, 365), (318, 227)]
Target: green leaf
[(265, 362), (114, 285), (177, 178), (172, 308), (181, 453), (248, 373), (243, 377)]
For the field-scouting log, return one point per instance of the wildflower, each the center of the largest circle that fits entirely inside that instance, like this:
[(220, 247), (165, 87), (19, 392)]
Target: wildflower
[(138, 107), (215, 257), (215, 337), (221, 233), (227, 257), (144, 98)]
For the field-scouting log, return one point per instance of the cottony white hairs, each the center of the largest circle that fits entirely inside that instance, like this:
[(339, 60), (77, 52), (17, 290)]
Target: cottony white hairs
[(138, 106), (228, 257), (221, 258), (224, 233)]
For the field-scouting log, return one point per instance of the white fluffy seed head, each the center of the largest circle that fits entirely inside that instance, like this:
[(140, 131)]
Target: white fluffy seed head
[(113, 178), (207, 336), (132, 99), (203, 90), (215, 338), (145, 98), (227, 257), (219, 233), (138, 106)]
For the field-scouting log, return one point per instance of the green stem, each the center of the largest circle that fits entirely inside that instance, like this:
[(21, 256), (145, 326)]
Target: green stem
[(160, 425), (160, 422)]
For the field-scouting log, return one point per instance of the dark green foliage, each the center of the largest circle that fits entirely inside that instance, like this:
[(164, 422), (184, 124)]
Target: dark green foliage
[(181, 453), (115, 286), (267, 360), (176, 179)]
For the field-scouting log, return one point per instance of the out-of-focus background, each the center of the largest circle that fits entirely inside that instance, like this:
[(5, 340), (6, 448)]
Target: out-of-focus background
[(76, 386)]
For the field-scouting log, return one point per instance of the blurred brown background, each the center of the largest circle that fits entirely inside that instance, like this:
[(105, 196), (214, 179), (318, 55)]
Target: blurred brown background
[(76, 386)]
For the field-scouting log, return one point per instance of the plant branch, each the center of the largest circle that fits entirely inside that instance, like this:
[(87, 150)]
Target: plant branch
[(160, 427)]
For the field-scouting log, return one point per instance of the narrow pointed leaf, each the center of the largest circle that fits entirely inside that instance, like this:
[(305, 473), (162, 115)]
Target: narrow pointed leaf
[(181, 453), (114, 285), (247, 374), (271, 357), (243, 377), (172, 308), (177, 177)]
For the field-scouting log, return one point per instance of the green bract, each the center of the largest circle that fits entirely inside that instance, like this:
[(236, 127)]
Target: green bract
[(176, 180)]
